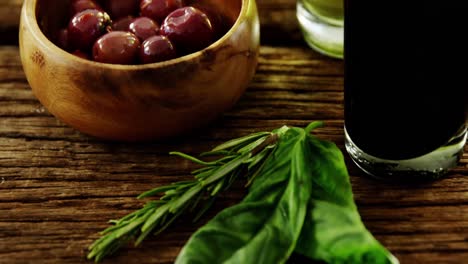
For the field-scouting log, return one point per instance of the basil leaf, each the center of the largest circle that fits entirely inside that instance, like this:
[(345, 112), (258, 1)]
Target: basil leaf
[(329, 174), (333, 231), (265, 226), (337, 235)]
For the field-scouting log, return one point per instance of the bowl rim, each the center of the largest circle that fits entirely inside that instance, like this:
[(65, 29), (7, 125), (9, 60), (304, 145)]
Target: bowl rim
[(29, 15)]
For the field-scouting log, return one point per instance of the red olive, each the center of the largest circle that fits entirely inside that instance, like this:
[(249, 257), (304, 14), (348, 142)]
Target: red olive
[(144, 28), (121, 8), (189, 29), (122, 24), (156, 49), (87, 26), (117, 47), (159, 9), (77, 6), (218, 22)]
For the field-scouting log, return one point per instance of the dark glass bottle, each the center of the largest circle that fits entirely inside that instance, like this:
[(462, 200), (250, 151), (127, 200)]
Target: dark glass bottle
[(406, 89)]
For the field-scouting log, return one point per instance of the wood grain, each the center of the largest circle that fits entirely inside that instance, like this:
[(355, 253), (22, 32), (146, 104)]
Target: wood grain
[(58, 187), (9, 21), (10, 13)]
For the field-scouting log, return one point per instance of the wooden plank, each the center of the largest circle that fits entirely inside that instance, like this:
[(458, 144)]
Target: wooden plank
[(78, 182), (58, 187), (9, 20), (9, 13)]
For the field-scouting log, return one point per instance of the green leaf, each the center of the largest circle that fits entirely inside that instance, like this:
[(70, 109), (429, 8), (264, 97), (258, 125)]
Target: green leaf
[(335, 234), (312, 126), (238, 141), (250, 147), (204, 209), (330, 175), (333, 231), (155, 191), (226, 169), (192, 159), (152, 220), (185, 198), (265, 226)]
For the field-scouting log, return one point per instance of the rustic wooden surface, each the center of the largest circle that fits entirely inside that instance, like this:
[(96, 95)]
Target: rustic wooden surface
[(58, 187)]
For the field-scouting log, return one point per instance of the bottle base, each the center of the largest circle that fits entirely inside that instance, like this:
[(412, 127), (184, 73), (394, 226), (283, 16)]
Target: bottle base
[(323, 37), (427, 167)]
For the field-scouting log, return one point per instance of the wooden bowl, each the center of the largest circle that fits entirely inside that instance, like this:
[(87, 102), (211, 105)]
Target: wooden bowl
[(139, 102)]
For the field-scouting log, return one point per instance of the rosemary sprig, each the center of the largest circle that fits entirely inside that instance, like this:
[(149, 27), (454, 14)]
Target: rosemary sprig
[(242, 156)]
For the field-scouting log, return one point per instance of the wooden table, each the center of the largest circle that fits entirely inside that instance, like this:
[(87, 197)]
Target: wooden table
[(58, 187)]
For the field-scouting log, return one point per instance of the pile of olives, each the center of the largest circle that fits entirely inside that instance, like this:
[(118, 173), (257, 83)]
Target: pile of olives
[(138, 31)]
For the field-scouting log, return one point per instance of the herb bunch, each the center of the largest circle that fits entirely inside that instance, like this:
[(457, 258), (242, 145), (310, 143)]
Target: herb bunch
[(300, 201), (242, 156)]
